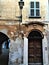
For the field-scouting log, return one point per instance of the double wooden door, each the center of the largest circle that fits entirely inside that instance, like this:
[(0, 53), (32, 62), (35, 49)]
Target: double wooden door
[(35, 52)]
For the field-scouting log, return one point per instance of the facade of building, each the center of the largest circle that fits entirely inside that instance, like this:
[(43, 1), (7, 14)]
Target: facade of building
[(33, 28)]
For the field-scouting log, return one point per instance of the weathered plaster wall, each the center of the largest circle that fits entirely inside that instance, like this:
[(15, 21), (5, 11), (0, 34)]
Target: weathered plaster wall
[(9, 9)]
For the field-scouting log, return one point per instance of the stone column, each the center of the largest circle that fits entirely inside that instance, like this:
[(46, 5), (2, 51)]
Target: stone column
[(45, 51), (25, 51)]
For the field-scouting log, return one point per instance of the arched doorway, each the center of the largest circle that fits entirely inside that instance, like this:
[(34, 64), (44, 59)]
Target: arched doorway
[(4, 52), (4, 38), (35, 55)]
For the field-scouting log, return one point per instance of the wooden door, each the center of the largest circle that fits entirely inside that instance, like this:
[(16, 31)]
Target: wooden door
[(35, 52)]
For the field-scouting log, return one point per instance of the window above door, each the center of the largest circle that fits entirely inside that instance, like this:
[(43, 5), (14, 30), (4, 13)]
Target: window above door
[(34, 10)]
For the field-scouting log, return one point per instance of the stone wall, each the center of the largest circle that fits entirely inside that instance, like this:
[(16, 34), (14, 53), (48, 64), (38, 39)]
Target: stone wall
[(16, 51), (47, 35)]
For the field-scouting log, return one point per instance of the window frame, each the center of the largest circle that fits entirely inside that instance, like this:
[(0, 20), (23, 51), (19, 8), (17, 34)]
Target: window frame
[(35, 8)]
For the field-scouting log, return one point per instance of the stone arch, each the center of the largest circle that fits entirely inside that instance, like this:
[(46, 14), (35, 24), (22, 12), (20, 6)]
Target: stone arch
[(4, 52), (36, 30), (3, 37)]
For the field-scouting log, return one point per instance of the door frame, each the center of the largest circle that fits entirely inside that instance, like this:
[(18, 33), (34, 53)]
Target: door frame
[(36, 34), (45, 52)]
